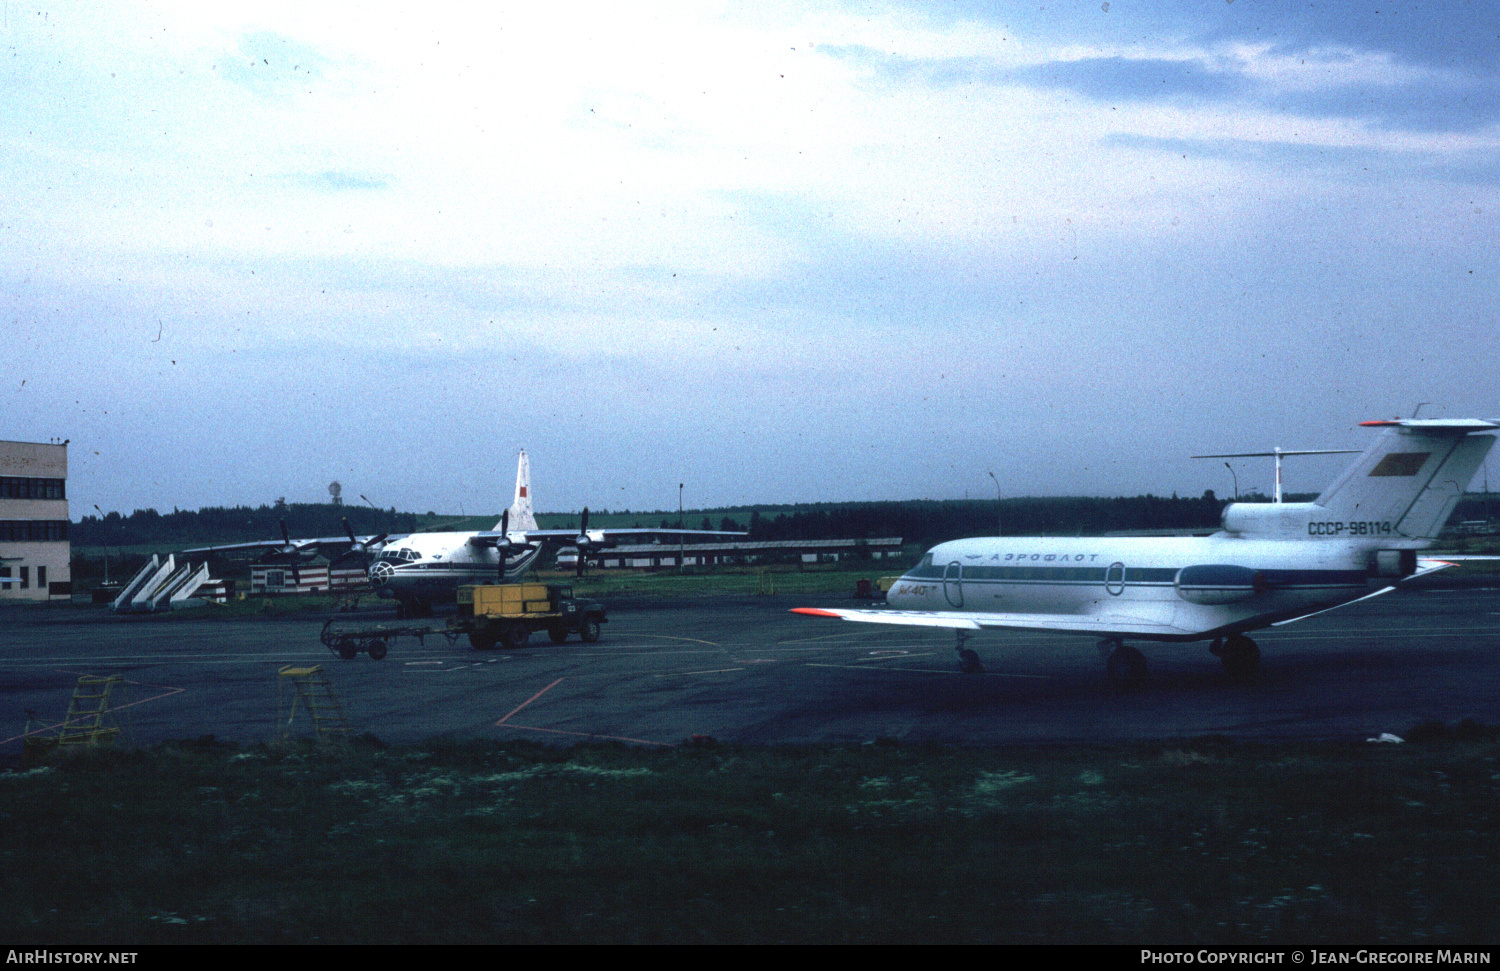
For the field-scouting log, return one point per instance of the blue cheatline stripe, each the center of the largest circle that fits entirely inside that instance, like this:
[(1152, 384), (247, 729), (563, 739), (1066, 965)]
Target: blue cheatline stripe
[(1133, 576)]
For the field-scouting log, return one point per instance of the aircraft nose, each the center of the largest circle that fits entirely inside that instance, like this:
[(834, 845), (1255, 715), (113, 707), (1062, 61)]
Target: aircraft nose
[(380, 573)]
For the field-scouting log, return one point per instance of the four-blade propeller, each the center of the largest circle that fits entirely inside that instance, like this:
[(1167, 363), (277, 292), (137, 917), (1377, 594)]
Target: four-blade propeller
[(588, 543), (355, 546)]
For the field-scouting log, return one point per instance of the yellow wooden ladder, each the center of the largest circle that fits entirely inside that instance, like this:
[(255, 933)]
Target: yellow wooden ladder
[(85, 722), (308, 689)]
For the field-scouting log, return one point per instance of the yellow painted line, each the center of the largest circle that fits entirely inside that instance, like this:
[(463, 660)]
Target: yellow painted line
[(683, 674)]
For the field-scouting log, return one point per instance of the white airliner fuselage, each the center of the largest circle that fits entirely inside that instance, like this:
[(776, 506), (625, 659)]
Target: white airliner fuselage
[(1271, 563), (1185, 588)]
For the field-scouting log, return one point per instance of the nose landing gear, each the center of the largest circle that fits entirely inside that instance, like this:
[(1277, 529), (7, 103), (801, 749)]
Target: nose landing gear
[(968, 661)]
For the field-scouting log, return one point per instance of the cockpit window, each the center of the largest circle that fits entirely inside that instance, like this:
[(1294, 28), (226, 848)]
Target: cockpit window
[(403, 555)]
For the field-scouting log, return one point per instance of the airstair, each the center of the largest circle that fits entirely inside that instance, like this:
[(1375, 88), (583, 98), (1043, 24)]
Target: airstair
[(161, 585)]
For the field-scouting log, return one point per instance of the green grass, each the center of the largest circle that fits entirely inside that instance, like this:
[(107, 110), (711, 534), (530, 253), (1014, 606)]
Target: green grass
[(824, 579), (486, 842)]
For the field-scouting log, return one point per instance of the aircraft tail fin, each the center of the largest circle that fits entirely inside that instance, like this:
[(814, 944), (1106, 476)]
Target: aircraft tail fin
[(521, 516), (1411, 477)]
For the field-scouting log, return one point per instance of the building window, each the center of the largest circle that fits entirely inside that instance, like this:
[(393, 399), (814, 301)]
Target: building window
[(33, 531), (41, 577), (27, 487), (25, 578)]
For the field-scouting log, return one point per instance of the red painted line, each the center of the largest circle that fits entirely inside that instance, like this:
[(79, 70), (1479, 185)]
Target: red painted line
[(169, 691), (107, 711), (528, 701)]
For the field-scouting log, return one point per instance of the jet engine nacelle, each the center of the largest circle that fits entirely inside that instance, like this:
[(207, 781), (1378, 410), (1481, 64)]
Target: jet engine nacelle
[(1212, 584), (1393, 563)]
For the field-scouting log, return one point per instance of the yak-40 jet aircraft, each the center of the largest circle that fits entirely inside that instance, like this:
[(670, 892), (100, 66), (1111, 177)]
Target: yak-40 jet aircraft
[(420, 569), (1271, 564)]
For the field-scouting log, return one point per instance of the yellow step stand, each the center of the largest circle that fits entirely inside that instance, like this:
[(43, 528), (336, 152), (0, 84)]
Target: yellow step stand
[(85, 724), (308, 689)]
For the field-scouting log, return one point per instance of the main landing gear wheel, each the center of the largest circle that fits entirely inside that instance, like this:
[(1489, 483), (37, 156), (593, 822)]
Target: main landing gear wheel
[(1239, 655), (968, 661), (347, 648), (1126, 665)]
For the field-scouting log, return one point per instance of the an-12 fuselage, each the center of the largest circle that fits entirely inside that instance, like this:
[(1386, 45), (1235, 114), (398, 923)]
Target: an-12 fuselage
[(431, 566)]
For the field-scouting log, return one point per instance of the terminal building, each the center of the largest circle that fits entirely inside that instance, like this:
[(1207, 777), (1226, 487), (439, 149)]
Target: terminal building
[(34, 550)]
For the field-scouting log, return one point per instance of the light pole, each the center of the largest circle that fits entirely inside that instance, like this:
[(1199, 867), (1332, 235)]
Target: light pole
[(106, 543), (1236, 481), (998, 530)]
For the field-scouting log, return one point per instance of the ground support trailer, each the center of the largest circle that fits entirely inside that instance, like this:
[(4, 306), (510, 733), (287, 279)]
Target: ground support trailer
[(508, 613), (499, 614), (349, 643)]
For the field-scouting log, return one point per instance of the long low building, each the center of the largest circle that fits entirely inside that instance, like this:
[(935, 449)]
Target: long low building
[(653, 555), (35, 556)]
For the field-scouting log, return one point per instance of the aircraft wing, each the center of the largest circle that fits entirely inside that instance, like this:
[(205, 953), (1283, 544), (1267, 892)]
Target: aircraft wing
[(1425, 565), (295, 546), (1442, 561), (533, 535), (1103, 625)]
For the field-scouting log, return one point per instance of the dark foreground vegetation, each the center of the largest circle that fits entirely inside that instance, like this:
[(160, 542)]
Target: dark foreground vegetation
[(486, 842)]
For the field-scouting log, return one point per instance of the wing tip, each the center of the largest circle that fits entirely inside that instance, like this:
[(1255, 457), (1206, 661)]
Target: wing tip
[(814, 612)]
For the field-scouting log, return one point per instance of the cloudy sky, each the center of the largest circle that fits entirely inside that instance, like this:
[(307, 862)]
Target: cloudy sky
[(779, 253)]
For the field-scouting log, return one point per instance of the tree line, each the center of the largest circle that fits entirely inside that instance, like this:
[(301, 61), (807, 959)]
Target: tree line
[(922, 522), (237, 524)]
